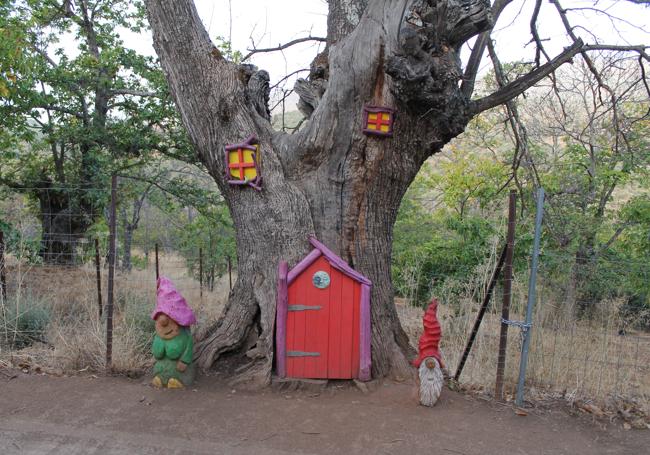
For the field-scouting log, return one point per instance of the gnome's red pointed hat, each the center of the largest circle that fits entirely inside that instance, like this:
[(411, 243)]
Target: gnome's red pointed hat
[(430, 339), (170, 302)]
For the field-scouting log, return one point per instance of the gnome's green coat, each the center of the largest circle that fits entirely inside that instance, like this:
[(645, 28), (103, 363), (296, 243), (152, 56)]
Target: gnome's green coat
[(169, 352)]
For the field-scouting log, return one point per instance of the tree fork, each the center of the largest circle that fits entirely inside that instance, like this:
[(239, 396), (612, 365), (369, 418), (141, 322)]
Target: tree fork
[(328, 179)]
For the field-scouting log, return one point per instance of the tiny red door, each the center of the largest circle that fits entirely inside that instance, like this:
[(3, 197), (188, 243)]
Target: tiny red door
[(323, 325)]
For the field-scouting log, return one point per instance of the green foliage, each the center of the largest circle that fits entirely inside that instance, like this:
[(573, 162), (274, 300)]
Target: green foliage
[(24, 322), (135, 311), (225, 47), (71, 117), (214, 234), (430, 248), (594, 169)]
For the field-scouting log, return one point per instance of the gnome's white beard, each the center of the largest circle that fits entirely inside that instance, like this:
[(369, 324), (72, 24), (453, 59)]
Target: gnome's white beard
[(431, 382)]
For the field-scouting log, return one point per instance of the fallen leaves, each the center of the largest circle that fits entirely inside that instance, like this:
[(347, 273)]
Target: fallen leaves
[(521, 412)]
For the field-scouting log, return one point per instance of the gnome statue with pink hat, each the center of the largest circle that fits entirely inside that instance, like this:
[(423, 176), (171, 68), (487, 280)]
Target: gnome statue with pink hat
[(172, 344)]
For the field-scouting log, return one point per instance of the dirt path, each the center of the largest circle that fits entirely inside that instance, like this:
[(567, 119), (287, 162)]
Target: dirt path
[(78, 415)]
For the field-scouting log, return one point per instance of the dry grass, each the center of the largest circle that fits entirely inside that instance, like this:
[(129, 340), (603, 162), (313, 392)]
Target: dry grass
[(76, 336), (570, 359)]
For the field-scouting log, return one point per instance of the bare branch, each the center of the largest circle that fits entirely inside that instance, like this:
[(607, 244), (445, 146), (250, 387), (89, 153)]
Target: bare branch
[(533, 30), (640, 48), (62, 110), (128, 91), (302, 70), (281, 47), (520, 85), (469, 78)]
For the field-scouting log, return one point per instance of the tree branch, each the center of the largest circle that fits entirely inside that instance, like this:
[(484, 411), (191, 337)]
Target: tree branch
[(520, 85), (281, 47), (471, 70), (134, 92), (63, 110), (640, 48), (343, 16)]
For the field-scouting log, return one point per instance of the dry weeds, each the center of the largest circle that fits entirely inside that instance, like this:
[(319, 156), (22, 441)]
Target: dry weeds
[(572, 361), (76, 336)]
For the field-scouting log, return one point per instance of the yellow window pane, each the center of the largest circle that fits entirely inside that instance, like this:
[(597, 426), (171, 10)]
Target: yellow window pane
[(384, 128), (250, 173), (372, 116), (385, 116), (233, 156), (248, 156), (372, 126)]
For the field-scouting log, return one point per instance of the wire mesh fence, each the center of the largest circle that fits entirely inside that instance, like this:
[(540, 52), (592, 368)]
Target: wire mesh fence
[(594, 357)]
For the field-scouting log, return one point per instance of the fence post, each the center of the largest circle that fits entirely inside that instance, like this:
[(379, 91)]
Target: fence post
[(99, 277), (111, 276), (229, 273), (157, 266), (507, 295), (3, 272), (201, 272), (481, 313), (531, 297)]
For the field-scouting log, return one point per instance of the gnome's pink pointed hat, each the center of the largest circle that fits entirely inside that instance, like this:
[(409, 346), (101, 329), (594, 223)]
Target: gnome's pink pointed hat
[(170, 302), (430, 339)]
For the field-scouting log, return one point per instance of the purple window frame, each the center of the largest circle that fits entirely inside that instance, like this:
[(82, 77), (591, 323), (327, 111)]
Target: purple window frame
[(249, 144), (377, 110)]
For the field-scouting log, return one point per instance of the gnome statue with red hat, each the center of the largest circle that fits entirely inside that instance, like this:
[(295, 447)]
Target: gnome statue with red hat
[(429, 361), (172, 344)]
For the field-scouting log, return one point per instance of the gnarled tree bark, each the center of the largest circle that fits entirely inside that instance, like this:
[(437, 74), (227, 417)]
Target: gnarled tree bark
[(328, 179)]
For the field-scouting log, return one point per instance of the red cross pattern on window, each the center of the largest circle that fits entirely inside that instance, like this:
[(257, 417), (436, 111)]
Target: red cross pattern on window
[(378, 120), (243, 163), (240, 164)]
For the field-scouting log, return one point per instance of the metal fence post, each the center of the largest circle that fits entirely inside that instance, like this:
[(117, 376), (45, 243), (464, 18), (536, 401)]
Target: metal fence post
[(201, 272), (3, 272), (157, 265), (111, 276), (507, 295), (99, 277), (531, 298)]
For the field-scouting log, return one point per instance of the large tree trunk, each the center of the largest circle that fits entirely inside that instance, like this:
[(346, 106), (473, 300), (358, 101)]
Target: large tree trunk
[(328, 179), (64, 221)]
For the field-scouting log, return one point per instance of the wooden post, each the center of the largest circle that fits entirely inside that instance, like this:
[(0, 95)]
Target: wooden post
[(111, 276), (99, 277), (507, 295), (481, 313), (3, 272), (230, 273), (157, 265), (201, 272)]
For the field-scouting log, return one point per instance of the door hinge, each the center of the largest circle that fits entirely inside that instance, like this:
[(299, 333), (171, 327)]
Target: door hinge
[(303, 307), (302, 354)]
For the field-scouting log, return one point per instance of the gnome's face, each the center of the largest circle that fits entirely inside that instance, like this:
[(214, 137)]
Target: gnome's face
[(166, 327)]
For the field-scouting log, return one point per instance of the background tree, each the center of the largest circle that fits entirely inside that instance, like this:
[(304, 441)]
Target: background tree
[(70, 117), (589, 154), (328, 179)]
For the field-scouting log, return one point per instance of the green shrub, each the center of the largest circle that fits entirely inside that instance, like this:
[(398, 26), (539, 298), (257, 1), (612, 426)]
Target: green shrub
[(24, 322), (135, 311)]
